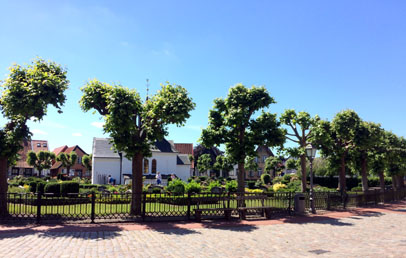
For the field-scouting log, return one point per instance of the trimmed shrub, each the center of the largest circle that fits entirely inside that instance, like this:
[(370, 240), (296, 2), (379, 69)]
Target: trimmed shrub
[(32, 186), (54, 188), (251, 184), (266, 178), (193, 187), (69, 187), (203, 178), (356, 189), (213, 184), (177, 187), (40, 187), (231, 186)]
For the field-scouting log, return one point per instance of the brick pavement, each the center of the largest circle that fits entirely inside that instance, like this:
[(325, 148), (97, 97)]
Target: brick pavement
[(372, 232)]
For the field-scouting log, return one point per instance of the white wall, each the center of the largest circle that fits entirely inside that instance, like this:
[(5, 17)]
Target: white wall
[(166, 164)]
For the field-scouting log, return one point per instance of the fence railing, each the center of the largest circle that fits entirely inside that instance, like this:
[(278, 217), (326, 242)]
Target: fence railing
[(164, 206)]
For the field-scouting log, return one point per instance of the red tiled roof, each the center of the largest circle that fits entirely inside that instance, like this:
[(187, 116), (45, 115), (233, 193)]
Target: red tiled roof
[(185, 148), (59, 150)]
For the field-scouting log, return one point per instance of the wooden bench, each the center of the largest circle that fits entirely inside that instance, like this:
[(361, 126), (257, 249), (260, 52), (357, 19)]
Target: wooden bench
[(225, 201), (265, 210)]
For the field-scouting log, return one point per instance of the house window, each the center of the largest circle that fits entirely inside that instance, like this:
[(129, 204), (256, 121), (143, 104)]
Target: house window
[(44, 145), (38, 144), (15, 171), (79, 173), (153, 166), (264, 158), (87, 173), (28, 172), (146, 166), (79, 160), (259, 171), (251, 173), (256, 159)]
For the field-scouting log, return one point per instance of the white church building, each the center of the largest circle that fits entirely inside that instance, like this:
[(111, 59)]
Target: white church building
[(165, 159)]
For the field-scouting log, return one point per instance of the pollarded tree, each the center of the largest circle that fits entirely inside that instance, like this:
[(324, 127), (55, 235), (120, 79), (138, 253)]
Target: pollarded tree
[(274, 164), (396, 159), (67, 160), (250, 164), (231, 122), (133, 125), (204, 163), (336, 139), (224, 164), (300, 126), (87, 162), (26, 94), (41, 160), (368, 139)]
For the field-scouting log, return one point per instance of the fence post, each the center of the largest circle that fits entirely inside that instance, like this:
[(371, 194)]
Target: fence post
[(290, 203), (93, 211), (38, 207), (144, 205), (376, 197), (188, 205), (328, 201)]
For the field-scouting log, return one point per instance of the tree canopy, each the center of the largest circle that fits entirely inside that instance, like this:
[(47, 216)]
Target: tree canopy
[(232, 123), (25, 94), (135, 125), (300, 125)]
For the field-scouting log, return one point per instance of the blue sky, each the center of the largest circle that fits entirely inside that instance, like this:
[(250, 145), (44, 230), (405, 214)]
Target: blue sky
[(316, 56)]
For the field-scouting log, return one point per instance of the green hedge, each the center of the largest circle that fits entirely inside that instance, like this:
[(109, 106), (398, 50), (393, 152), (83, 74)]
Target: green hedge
[(69, 187), (52, 188)]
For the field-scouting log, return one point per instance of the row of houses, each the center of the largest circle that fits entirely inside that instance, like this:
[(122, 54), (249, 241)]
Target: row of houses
[(167, 158), (22, 168)]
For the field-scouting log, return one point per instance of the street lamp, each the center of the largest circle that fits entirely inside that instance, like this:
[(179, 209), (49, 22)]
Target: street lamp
[(121, 165), (311, 154)]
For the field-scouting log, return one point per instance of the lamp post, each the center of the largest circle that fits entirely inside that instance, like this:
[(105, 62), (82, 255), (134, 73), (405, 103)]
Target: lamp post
[(311, 153), (121, 165)]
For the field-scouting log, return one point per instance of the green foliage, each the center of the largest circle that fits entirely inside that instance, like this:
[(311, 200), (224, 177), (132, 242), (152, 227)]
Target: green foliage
[(356, 189), (266, 178), (213, 184), (33, 184), (223, 163), (203, 178), (204, 163), (53, 188), (251, 184), (135, 126), (40, 187), (69, 187), (231, 123), (250, 164), (41, 160), (27, 91), (273, 163), (176, 187), (67, 160), (87, 162), (231, 186)]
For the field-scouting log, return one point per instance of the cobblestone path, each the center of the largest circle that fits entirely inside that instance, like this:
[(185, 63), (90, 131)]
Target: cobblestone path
[(377, 233)]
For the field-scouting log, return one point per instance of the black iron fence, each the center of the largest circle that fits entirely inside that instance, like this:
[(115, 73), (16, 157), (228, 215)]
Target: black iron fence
[(165, 206)]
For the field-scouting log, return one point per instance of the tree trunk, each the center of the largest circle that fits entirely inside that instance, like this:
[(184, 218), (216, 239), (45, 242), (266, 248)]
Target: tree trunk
[(3, 186), (342, 174), (364, 174), (394, 183), (67, 171), (241, 183), (304, 175), (401, 182), (39, 173), (382, 181), (136, 184)]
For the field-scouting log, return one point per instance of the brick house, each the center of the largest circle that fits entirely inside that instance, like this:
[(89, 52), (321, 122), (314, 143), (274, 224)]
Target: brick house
[(263, 152), (78, 169), (21, 168)]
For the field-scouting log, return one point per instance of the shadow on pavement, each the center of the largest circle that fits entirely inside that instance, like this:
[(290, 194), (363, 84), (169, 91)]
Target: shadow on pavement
[(170, 228), (231, 226), (97, 232)]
